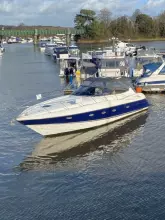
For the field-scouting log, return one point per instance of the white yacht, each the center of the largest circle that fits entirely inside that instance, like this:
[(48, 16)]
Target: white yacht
[(49, 49), (127, 48), (143, 57), (29, 40), (96, 102), (42, 46), (2, 49), (60, 53), (153, 77), (112, 67), (23, 41), (108, 53), (69, 62), (74, 51), (49, 147)]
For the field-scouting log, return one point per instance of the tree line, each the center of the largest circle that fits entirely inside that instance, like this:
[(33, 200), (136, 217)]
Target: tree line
[(104, 26)]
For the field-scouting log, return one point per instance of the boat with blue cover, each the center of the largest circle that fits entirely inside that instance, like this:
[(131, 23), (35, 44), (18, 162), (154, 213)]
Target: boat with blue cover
[(64, 52), (144, 57), (96, 102), (153, 77)]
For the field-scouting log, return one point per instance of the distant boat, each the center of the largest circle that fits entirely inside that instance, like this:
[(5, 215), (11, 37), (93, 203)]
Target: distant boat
[(2, 49), (49, 49), (42, 46)]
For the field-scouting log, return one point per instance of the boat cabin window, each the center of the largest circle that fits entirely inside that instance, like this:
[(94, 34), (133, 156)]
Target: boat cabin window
[(73, 63), (61, 50), (50, 46), (98, 53), (113, 63), (150, 68), (130, 45), (162, 72), (100, 88), (73, 48)]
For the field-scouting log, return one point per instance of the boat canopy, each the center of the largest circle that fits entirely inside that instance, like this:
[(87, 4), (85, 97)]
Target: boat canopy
[(102, 86), (89, 70), (152, 67)]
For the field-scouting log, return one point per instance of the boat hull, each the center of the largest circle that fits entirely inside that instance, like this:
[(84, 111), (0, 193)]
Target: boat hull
[(157, 85), (61, 128), (42, 49)]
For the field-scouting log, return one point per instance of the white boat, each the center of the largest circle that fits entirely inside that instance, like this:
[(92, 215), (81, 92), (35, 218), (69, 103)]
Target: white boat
[(108, 53), (112, 67), (4, 41), (2, 49), (74, 51), (127, 48), (50, 147), (42, 46), (69, 62), (153, 77), (29, 40), (12, 40), (143, 57), (96, 102), (60, 53), (49, 49), (23, 41)]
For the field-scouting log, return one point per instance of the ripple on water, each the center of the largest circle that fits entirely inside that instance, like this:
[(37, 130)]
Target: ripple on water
[(113, 172)]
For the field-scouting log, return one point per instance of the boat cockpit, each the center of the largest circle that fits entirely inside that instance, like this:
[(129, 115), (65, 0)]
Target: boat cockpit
[(101, 87)]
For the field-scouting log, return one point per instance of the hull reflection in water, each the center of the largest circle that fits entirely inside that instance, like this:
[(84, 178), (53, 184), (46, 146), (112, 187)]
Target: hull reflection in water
[(108, 138)]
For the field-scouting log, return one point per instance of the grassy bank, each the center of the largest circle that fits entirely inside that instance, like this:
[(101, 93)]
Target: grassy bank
[(87, 41)]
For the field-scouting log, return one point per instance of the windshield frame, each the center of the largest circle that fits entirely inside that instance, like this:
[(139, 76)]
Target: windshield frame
[(84, 90)]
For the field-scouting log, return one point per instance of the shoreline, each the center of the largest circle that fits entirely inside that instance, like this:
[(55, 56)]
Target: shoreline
[(83, 41)]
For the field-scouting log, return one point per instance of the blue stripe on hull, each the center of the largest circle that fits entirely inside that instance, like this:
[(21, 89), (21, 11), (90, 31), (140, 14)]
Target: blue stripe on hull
[(92, 115)]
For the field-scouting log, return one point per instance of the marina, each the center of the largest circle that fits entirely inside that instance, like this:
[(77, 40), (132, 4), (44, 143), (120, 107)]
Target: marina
[(62, 176)]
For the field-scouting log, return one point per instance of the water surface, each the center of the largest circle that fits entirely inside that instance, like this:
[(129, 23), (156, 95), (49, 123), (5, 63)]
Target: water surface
[(114, 172)]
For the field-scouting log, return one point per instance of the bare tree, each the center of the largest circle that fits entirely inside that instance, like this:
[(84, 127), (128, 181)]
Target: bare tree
[(105, 21), (105, 16)]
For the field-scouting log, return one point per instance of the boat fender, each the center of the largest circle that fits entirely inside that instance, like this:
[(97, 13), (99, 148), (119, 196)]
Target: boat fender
[(139, 89)]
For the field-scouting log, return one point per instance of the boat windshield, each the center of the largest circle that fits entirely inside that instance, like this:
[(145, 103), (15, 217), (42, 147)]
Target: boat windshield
[(101, 87), (113, 63), (61, 49), (150, 68)]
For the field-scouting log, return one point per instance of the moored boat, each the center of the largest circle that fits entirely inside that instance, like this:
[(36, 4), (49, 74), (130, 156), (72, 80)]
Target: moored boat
[(96, 102), (49, 49), (153, 78)]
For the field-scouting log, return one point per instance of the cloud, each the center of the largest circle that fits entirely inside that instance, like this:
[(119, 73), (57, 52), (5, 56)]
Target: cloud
[(155, 3), (62, 12)]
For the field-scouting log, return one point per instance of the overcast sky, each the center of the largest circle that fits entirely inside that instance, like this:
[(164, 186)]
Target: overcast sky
[(62, 12)]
